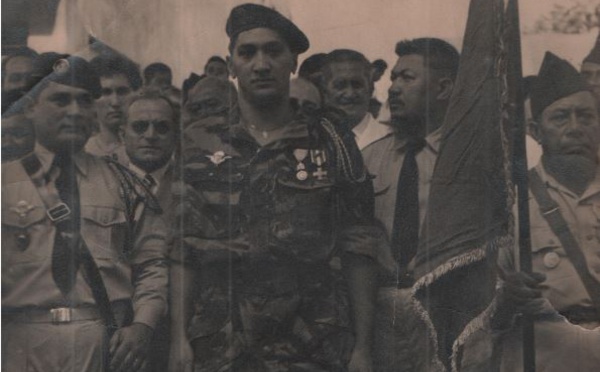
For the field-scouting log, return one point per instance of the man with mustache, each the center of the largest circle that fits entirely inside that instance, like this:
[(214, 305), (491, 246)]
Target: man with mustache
[(119, 79), (347, 85), (402, 163), (276, 207), (563, 294), (84, 272)]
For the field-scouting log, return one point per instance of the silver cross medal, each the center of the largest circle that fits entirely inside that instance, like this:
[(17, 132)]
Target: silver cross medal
[(318, 157)]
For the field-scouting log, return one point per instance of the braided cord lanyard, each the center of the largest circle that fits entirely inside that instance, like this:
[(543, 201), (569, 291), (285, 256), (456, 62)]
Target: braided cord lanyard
[(343, 158)]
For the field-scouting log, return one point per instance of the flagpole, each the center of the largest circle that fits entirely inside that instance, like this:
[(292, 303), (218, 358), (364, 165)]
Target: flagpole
[(520, 171)]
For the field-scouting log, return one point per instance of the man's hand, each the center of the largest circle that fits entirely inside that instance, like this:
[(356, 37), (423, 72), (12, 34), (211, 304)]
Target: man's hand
[(129, 348), (517, 296), (360, 361), (181, 356)]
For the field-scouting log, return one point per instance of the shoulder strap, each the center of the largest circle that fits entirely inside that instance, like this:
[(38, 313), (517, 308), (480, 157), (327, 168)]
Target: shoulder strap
[(551, 212), (58, 213)]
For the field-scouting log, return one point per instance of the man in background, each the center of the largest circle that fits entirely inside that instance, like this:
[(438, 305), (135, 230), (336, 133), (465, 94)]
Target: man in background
[(402, 163), (347, 86), (119, 80), (217, 67)]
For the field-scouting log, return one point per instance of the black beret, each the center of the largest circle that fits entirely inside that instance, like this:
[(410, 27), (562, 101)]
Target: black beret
[(249, 16), (72, 71), (557, 79)]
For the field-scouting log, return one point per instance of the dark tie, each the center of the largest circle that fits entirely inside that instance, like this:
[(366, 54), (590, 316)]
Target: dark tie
[(149, 181), (66, 254), (405, 234)]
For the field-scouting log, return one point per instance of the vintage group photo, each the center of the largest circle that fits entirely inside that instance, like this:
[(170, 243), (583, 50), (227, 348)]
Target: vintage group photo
[(300, 186)]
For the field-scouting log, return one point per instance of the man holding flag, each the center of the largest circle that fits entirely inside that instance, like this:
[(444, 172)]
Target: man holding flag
[(563, 293)]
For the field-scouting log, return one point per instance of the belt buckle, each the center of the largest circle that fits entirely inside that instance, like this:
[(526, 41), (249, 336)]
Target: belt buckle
[(59, 212), (61, 315)]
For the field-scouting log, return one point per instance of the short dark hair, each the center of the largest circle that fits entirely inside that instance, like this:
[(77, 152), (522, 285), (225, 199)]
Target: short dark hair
[(380, 64), (437, 53), (19, 52), (215, 59), (111, 65), (346, 55), (311, 65), (156, 68), (156, 95)]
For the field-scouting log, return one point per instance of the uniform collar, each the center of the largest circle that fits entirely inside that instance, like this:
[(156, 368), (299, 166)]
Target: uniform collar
[(593, 188), (432, 141), (362, 126), (157, 174), (46, 158)]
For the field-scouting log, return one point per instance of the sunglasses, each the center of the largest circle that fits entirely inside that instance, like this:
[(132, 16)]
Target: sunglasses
[(141, 126)]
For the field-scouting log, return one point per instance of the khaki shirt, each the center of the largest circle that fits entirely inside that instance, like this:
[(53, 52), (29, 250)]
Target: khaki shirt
[(384, 160), (28, 236), (94, 146), (563, 287)]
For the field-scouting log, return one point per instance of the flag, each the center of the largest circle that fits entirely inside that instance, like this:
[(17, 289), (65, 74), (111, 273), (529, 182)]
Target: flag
[(469, 214)]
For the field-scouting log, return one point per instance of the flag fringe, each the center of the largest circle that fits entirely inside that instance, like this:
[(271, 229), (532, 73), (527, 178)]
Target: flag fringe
[(476, 255)]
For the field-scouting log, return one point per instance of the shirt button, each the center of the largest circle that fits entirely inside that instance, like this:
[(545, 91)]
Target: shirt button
[(551, 260)]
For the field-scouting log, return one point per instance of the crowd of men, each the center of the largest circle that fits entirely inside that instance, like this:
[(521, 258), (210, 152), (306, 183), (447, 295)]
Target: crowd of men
[(269, 226)]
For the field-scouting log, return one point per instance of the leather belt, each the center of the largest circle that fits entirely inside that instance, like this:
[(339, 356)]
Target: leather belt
[(64, 315), (58, 315)]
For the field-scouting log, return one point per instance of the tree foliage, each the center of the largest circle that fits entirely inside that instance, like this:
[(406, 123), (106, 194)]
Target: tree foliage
[(569, 19)]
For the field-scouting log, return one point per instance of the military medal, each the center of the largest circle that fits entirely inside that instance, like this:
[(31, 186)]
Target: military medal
[(318, 157), (22, 240), (300, 155), (22, 209)]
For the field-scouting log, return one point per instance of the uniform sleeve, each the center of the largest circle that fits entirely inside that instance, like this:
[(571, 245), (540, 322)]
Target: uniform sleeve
[(150, 269)]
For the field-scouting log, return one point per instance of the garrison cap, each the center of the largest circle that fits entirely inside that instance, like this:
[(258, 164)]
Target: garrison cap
[(250, 16), (557, 79), (594, 56), (68, 70)]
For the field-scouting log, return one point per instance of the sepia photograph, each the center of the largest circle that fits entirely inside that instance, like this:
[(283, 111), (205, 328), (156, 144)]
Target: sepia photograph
[(300, 186)]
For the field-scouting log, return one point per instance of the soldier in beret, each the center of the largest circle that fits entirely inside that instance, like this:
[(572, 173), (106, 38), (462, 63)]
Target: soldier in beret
[(277, 226), (563, 293), (84, 271)]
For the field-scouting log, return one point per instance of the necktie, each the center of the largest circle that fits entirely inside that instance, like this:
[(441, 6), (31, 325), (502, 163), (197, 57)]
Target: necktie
[(149, 181), (65, 255), (405, 234)]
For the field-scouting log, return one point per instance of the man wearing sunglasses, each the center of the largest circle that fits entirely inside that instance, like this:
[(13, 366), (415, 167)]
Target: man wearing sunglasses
[(150, 136)]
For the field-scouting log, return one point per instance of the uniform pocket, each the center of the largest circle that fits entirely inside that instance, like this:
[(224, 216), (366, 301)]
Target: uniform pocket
[(104, 229)]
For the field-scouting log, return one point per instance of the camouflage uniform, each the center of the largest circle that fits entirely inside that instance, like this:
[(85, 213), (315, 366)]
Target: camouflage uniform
[(262, 228)]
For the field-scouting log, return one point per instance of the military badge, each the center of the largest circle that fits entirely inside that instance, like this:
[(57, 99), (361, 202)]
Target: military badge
[(22, 209), (61, 66), (218, 157), (551, 260)]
